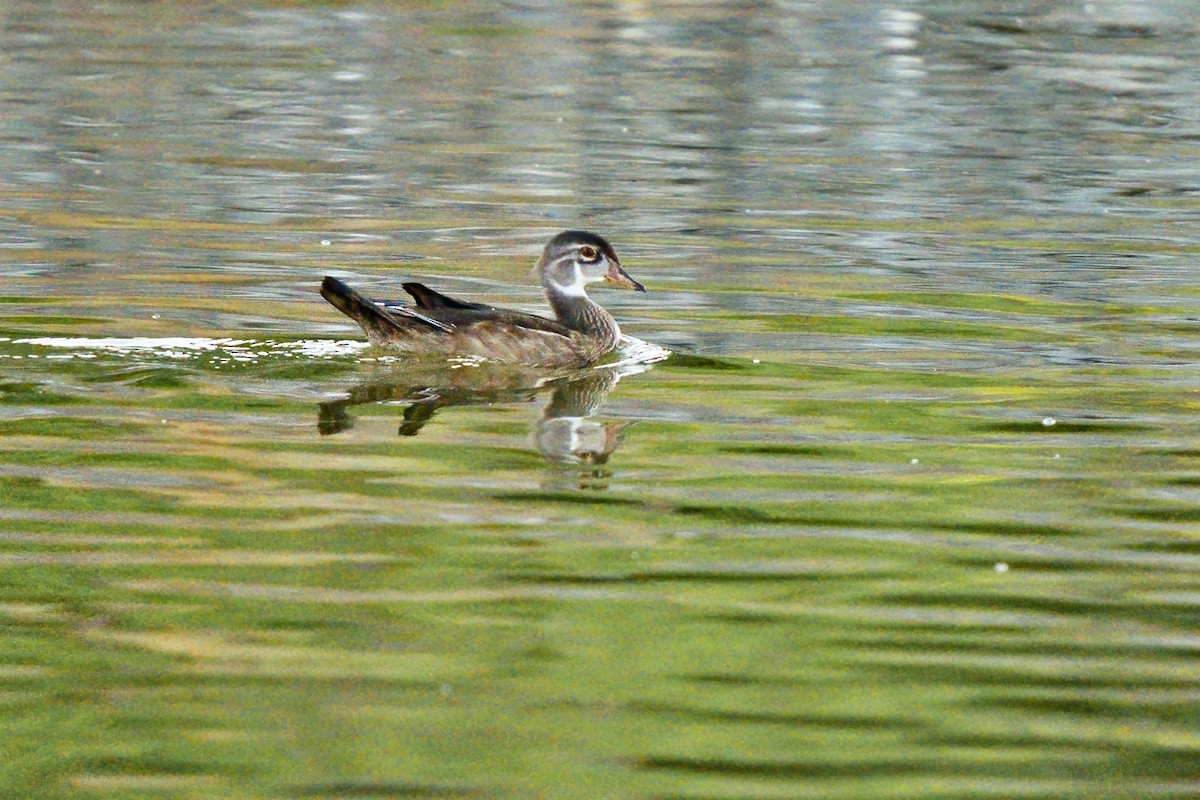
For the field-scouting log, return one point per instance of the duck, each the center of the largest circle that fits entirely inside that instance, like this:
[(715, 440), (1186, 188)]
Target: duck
[(434, 325)]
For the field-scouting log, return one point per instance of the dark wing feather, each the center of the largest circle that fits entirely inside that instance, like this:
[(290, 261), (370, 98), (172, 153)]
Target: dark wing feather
[(428, 298)]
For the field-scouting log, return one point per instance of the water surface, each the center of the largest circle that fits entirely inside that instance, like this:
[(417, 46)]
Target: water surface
[(909, 511)]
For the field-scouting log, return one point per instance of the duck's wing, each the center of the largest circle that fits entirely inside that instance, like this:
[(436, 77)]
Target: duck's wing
[(463, 315), (434, 312)]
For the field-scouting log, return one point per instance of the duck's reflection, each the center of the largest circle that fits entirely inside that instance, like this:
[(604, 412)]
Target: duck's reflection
[(565, 434)]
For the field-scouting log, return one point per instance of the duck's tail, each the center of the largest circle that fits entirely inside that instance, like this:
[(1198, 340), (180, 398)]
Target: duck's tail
[(361, 309), (384, 326)]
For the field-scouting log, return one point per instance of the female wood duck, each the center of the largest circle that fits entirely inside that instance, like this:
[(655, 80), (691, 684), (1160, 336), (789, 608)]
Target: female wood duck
[(581, 333)]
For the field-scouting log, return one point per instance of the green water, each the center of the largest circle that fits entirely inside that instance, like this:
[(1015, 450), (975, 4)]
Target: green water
[(785, 580), (909, 511)]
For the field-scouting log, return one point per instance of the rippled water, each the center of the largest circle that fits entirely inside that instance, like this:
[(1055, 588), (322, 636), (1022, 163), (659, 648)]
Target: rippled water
[(910, 510)]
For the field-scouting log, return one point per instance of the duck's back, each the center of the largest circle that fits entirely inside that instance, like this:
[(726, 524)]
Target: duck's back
[(444, 327)]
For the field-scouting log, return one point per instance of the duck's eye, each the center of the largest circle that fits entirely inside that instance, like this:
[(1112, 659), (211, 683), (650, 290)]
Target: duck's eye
[(589, 253)]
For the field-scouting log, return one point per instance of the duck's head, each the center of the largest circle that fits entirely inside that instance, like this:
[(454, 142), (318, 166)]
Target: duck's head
[(573, 259)]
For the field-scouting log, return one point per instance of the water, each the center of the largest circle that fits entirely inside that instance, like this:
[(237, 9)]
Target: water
[(909, 511)]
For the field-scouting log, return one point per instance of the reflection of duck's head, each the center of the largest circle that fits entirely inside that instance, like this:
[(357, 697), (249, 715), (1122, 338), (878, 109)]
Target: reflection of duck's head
[(564, 434), (577, 440)]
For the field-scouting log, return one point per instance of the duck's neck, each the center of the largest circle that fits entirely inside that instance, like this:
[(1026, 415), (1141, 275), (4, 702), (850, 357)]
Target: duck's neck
[(579, 313)]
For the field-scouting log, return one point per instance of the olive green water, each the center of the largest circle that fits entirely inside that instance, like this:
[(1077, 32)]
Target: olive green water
[(909, 512)]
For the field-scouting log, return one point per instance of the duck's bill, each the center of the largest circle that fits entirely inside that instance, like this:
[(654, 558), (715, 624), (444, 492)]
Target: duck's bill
[(617, 274)]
